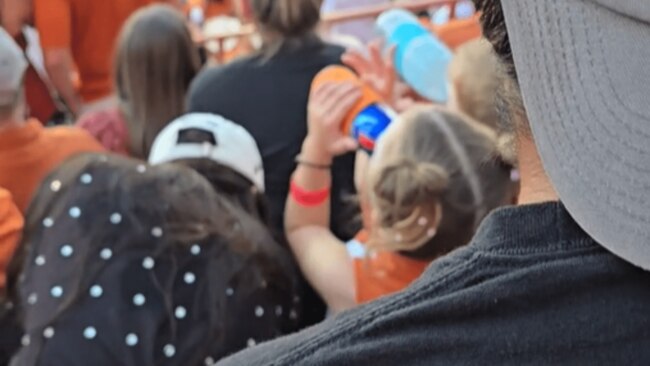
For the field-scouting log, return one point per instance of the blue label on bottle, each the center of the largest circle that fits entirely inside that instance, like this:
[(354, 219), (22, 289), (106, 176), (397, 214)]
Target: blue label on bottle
[(370, 124)]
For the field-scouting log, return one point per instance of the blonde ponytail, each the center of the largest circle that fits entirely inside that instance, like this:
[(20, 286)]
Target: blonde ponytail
[(406, 195), (436, 177)]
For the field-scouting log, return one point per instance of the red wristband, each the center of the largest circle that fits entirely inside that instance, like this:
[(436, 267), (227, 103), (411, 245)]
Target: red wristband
[(308, 198)]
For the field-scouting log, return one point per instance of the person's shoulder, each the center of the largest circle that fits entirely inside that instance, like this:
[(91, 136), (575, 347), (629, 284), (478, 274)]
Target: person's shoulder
[(215, 72), (219, 80), (72, 138), (214, 77), (333, 50), (361, 335), (330, 53)]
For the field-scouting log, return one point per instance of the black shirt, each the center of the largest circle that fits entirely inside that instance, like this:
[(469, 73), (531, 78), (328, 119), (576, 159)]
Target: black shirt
[(532, 288), (268, 97)]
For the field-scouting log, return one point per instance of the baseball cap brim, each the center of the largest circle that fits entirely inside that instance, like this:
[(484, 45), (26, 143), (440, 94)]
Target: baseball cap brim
[(584, 72)]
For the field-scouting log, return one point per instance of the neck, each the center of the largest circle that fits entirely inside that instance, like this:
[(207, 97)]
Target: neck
[(536, 187)]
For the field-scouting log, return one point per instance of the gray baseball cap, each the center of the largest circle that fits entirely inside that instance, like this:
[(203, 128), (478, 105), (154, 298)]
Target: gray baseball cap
[(584, 70), (12, 68)]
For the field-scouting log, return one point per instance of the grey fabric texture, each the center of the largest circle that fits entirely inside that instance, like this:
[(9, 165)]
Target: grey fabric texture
[(583, 69), (531, 289)]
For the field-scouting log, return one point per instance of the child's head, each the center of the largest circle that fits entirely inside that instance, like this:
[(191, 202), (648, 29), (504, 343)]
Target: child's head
[(148, 263), (432, 179), (474, 77), (155, 63)]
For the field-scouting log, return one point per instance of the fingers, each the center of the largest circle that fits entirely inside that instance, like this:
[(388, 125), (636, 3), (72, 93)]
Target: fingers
[(389, 60), (332, 101), (343, 145), (390, 74), (328, 107), (330, 94), (341, 101), (358, 62), (377, 62)]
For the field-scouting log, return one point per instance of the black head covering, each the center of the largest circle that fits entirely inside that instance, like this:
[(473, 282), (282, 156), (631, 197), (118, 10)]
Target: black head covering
[(127, 264)]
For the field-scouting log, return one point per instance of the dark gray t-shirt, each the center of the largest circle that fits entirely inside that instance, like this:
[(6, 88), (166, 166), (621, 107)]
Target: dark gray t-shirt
[(532, 288)]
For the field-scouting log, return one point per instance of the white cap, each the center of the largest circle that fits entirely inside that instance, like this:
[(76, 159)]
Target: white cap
[(12, 68), (235, 148)]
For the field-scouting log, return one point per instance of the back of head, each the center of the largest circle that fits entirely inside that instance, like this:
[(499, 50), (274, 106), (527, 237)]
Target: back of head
[(155, 63), (438, 177), (232, 185), (474, 74), (286, 19), (172, 271), (221, 151)]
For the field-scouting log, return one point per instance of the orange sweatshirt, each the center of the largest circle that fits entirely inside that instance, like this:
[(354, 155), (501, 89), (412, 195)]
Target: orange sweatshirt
[(11, 223), (29, 152)]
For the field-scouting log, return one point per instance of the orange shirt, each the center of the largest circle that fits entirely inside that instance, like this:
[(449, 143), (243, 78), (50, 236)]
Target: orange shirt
[(383, 273), (29, 152), (459, 31), (89, 28), (11, 223)]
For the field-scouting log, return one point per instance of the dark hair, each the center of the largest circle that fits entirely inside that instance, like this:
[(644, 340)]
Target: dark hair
[(163, 234), (495, 30), (286, 20), (234, 186), (509, 99), (440, 158)]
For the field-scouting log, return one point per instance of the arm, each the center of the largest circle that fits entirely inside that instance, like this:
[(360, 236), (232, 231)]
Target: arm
[(60, 67), (322, 258), (53, 21), (15, 14)]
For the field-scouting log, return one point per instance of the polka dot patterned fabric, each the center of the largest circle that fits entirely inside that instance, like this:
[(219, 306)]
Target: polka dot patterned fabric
[(126, 264)]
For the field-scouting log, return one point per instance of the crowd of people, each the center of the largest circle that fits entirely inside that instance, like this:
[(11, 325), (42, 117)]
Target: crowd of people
[(463, 185)]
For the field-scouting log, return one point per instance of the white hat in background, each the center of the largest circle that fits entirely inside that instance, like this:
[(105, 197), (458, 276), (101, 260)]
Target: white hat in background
[(233, 146), (12, 68)]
